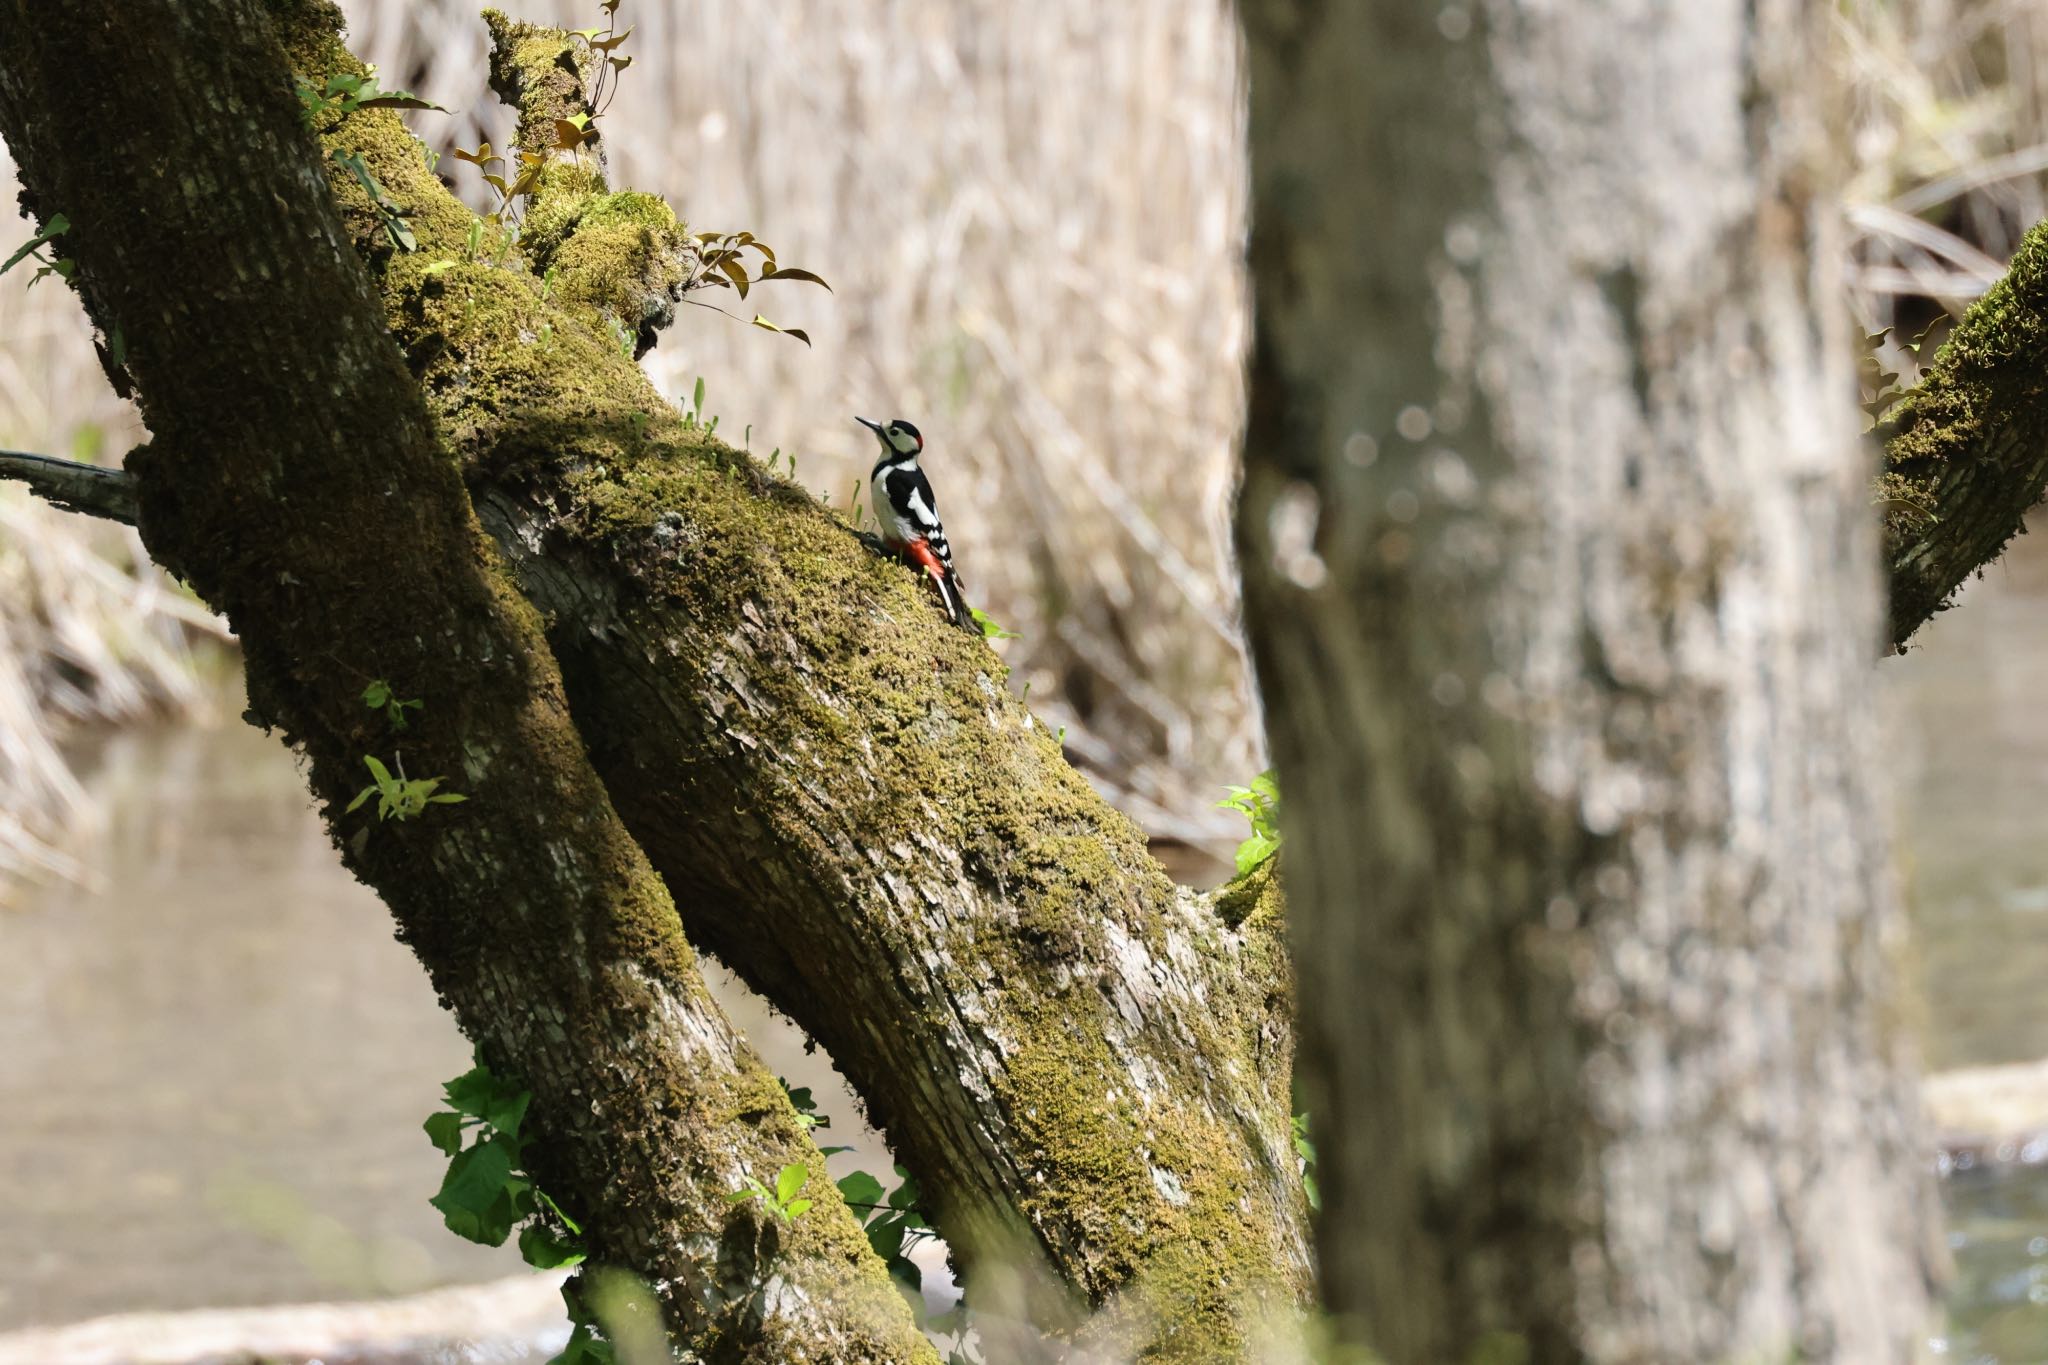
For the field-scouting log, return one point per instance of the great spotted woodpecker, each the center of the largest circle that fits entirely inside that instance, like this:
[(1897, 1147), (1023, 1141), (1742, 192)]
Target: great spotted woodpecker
[(902, 499)]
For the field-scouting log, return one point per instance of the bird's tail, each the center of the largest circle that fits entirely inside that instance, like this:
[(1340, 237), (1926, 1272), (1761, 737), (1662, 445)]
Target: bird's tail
[(948, 584), (957, 610)]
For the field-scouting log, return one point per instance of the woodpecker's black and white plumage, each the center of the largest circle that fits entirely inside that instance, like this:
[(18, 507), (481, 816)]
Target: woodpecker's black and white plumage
[(902, 499)]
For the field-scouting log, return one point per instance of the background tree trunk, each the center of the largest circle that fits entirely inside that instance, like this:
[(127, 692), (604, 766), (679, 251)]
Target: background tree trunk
[(1561, 582)]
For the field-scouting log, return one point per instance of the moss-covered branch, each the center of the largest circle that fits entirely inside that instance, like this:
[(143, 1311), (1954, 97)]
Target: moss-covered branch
[(297, 479), (1966, 452), (1087, 1067)]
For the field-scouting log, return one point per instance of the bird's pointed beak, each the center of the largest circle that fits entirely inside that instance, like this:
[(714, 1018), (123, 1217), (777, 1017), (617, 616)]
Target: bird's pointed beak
[(875, 427)]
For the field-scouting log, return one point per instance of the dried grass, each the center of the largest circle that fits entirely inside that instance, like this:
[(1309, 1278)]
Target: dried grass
[(1032, 217), (1949, 142)]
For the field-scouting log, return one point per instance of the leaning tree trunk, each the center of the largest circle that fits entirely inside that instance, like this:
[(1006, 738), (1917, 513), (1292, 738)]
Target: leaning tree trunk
[(1562, 587), (1087, 1067), (296, 478)]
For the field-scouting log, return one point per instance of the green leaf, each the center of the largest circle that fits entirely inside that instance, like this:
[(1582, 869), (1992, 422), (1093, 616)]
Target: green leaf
[(905, 1195), (397, 99), (377, 694), (885, 1235), (860, 1188), (789, 1180), (508, 1112), (361, 796), (473, 1092), (59, 225), (378, 771), (476, 1176), (474, 1200), (556, 1209), (445, 1131), (1254, 851), (544, 1251), (989, 629), (438, 266), (796, 1208), (904, 1271), (447, 798)]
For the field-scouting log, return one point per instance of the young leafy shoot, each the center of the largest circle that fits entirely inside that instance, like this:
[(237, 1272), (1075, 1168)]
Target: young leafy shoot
[(990, 630), (34, 248), (378, 696), (395, 226), (1260, 804), (721, 264), (400, 797), (345, 93), (782, 1201)]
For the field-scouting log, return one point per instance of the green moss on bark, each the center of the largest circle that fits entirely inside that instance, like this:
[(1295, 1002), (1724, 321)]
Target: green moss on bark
[(1966, 452)]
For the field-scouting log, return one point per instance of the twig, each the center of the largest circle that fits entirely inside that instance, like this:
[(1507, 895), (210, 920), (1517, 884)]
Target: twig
[(89, 488)]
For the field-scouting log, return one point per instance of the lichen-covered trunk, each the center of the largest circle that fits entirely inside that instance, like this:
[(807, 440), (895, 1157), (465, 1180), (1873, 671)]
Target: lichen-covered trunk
[(1562, 587), (296, 478), (1087, 1067)]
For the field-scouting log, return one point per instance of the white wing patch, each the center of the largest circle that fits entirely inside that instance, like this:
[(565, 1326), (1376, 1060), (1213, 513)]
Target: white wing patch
[(922, 512)]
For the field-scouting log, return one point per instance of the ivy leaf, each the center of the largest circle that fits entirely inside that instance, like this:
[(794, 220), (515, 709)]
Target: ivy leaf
[(474, 1199), (543, 1250), (445, 1131), (885, 1235), (861, 1188), (508, 1112)]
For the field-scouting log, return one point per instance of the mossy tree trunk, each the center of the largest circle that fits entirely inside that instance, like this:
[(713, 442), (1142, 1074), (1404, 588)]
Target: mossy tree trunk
[(1087, 1067), (1560, 569), (297, 480)]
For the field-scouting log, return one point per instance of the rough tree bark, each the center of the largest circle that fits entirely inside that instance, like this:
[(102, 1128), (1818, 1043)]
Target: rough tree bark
[(1087, 1067), (1560, 577)]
